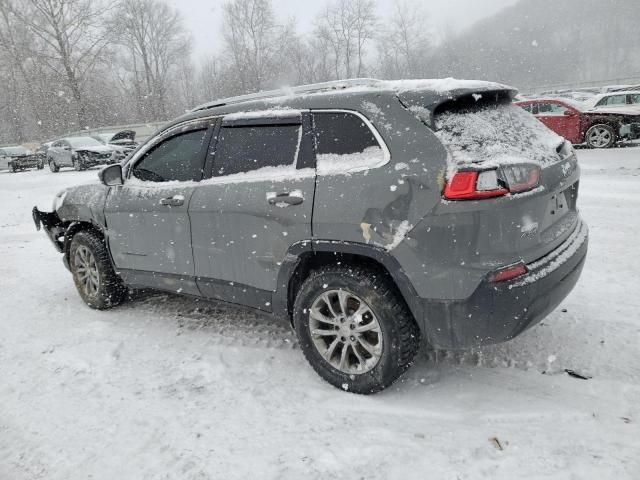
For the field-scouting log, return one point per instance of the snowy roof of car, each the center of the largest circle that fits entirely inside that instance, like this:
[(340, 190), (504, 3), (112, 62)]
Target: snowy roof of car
[(437, 88)]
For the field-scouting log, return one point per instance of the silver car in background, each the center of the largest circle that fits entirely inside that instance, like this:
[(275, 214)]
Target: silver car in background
[(79, 153)]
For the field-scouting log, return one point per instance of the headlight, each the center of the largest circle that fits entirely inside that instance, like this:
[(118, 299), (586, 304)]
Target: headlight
[(59, 199)]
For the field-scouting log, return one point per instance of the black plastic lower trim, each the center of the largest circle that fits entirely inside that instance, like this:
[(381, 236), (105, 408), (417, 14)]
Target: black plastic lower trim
[(497, 312)]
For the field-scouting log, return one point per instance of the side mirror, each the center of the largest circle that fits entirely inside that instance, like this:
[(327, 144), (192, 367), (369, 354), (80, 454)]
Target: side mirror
[(111, 175)]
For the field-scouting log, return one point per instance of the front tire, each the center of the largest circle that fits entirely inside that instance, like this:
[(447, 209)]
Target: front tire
[(13, 167), (53, 166), (354, 328), (601, 136), (78, 163), (93, 274)]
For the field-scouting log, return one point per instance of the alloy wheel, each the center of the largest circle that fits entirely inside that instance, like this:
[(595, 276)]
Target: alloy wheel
[(87, 271), (599, 137), (345, 331)]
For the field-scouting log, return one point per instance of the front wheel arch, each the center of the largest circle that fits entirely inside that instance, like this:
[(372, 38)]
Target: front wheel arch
[(72, 228)]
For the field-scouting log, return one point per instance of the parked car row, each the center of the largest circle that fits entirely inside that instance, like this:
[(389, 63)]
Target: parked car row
[(19, 158), (602, 123), (79, 152)]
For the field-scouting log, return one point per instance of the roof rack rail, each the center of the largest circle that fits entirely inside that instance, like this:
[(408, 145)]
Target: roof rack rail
[(302, 89)]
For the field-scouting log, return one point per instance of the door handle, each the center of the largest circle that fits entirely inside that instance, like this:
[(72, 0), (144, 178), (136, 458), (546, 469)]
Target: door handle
[(285, 199), (174, 201)]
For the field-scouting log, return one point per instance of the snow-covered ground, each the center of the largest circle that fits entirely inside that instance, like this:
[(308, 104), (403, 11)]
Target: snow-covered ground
[(168, 387)]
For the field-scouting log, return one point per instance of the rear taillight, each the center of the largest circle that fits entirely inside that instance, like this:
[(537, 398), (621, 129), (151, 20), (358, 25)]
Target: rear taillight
[(473, 185), (479, 184), (508, 273)]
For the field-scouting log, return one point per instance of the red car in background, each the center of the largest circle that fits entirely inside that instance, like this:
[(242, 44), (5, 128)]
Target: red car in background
[(601, 128)]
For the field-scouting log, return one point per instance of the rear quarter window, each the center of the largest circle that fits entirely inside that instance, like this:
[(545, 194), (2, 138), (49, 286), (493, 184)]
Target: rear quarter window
[(345, 143)]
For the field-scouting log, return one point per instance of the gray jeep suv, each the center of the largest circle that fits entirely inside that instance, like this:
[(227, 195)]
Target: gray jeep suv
[(372, 214)]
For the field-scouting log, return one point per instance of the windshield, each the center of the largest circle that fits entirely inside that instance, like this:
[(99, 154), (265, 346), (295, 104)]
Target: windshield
[(83, 142), (104, 137), (497, 133)]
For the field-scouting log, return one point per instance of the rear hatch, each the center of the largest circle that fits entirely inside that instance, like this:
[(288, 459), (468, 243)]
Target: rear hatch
[(515, 177)]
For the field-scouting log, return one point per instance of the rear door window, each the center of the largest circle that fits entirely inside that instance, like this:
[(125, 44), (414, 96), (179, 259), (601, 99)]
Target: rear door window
[(551, 109), (613, 100), (345, 143), (248, 148)]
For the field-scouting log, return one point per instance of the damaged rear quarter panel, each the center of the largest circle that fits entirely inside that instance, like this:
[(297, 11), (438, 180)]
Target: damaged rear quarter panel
[(379, 206)]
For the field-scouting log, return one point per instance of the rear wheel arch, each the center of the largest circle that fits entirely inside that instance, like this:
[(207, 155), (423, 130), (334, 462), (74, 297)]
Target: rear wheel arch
[(305, 257)]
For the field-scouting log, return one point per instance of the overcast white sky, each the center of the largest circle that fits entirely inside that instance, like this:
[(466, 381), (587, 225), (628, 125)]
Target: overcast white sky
[(202, 17)]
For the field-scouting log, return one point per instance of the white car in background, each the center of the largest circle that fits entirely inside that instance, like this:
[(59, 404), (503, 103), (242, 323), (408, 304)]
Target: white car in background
[(616, 99)]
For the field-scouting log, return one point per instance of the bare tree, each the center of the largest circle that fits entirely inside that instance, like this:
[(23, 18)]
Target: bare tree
[(254, 42), (70, 39), (156, 42), (404, 46), (346, 26)]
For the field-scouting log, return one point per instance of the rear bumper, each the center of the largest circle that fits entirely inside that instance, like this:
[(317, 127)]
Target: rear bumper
[(497, 312)]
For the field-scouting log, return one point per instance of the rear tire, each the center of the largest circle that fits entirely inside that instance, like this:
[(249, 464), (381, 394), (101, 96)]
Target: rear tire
[(601, 136), (12, 167), (53, 166), (93, 274), (40, 165), (358, 311)]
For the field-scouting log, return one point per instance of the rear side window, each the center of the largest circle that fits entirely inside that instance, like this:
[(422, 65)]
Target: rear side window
[(179, 158), (613, 100), (551, 109), (246, 148), (345, 143)]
